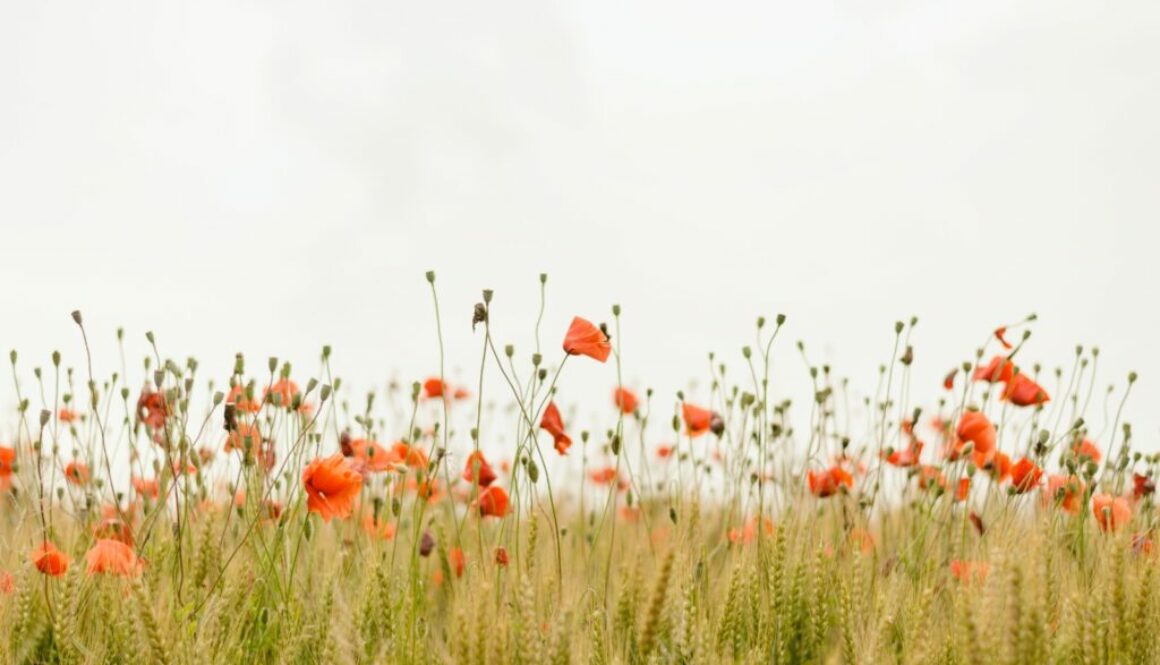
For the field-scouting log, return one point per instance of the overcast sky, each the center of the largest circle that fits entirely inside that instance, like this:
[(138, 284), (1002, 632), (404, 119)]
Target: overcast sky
[(270, 177)]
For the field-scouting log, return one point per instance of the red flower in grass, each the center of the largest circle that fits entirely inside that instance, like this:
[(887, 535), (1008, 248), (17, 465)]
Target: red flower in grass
[(77, 473), (501, 557), (241, 398), (458, 560), (585, 339), (1025, 476), (1022, 391), (112, 557), (554, 425), (698, 420), (434, 387), (373, 455), (1000, 369), (625, 400), (412, 456), (977, 429), (968, 572), (1065, 491), (7, 464), (1111, 513), (905, 458), (1142, 486), (1087, 449), (493, 502), (49, 560), (331, 487), (478, 470), (828, 482)]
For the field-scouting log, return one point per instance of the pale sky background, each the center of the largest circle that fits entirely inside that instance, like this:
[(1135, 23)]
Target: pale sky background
[(272, 176)]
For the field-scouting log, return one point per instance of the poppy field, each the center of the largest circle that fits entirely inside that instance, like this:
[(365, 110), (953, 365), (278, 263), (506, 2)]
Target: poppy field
[(276, 515)]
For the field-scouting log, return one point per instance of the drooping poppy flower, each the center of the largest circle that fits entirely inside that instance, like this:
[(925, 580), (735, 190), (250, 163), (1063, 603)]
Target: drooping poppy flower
[(501, 557), (493, 502), (1001, 335), (969, 572), (331, 487), (1025, 476), (1087, 449), (585, 339), (7, 464), (282, 392), (77, 473), (949, 379), (554, 425), (625, 400), (1000, 369), (458, 560), (67, 415), (477, 470), (905, 458), (828, 482), (1022, 391), (1111, 513), (963, 490), (697, 420), (434, 387), (241, 398), (977, 429), (50, 560), (145, 487), (1065, 491), (1142, 486), (112, 557)]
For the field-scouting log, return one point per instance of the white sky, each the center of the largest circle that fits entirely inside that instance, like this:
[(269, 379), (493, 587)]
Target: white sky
[(269, 177)]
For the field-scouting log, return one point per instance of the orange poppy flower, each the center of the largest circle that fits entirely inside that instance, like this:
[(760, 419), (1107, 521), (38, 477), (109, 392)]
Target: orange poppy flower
[(999, 369), (1141, 544), (977, 429), (963, 490), (493, 502), (245, 437), (284, 390), (970, 571), (412, 456), (241, 400), (146, 487), (373, 456), (331, 487), (67, 415), (458, 560), (905, 458), (748, 533), (828, 482), (1111, 512), (112, 557), (49, 560), (664, 452), (1067, 491), (863, 540), (949, 379), (7, 462), (77, 473), (1025, 476), (1022, 391), (554, 425), (625, 400), (434, 387), (1001, 335), (996, 463), (697, 420), (930, 476), (478, 470), (501, 557), (378, 528), (604, 476), (1086, 448), (585, 339), (7, 584), (152, 409)]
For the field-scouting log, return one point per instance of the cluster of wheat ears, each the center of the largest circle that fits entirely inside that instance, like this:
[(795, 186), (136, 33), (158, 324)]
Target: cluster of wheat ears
[(269, 519)]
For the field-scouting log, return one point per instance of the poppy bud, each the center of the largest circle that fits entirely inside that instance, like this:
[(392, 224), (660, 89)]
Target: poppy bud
[(616, 310), (509, 350), (717, 425), (56, 358), (480, 313), (430, 276), (615, 445), (533, 471), (543, 278), (426, 544), (45, 416), (76, 316)]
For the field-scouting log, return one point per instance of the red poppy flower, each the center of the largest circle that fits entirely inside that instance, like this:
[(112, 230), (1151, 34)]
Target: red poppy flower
[(112, 557), (68, 415), (1022, 391), (501, 557), (434, 387), (625, 400), (1087, 449), (458, 560), (585, 339), (1025, 476), (412, 456), (331, 487), (7, 463), (1142, 485), (49, 560), (1067, 491), (828, 482), (493, 502), (284, 390), (554, 425), (905, 458), (378, 528), (145, 486), (152, 409), (373, 456), (478, 470), (664, 451), (242, 399), (976, 428), (1111, 513), (999, 369), (949, 379), (1001, 335), (697, 420), (77, 473), (970, 571)]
